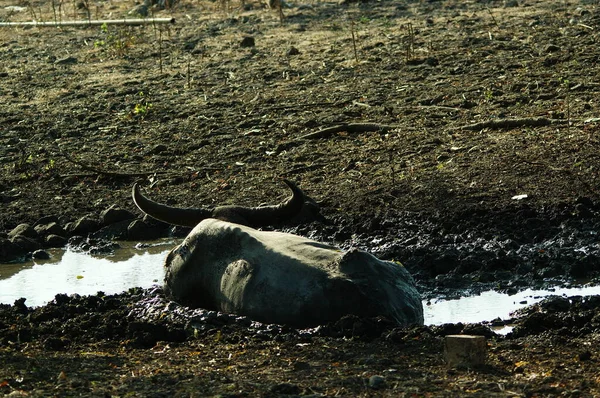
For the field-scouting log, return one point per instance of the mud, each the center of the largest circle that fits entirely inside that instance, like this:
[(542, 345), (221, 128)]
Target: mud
[(481, 173)]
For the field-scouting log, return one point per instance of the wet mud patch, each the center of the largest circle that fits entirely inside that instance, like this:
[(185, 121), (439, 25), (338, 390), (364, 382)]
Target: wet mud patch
[(506, 249)]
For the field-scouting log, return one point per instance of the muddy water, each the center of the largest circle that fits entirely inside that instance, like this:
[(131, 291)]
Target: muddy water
[(71, 272)]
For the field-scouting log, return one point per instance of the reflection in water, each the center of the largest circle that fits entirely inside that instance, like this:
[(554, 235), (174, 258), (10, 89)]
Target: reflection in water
[(491, 305), (70, 272)]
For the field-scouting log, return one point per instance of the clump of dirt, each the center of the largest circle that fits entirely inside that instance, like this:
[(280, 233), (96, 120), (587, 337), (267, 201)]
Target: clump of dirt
[(467, 150)]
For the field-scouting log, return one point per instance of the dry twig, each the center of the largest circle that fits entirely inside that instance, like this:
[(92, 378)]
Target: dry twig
[(513, 123), (350, 128)]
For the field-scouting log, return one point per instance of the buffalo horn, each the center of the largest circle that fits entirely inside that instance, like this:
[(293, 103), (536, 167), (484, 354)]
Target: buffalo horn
[(250, 216)]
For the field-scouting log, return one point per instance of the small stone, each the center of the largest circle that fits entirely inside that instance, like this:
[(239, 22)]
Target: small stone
[(376, 382), (301, 365), (247, 41), (25, 243), (139, 230), (159, 148), (465, 350), (66, 61), (140, 10), (551, 48), (55, 241), (40, 255), (285, 389), (49, 229), (293, 51), (23, 230), (84, 226), (114, 215)]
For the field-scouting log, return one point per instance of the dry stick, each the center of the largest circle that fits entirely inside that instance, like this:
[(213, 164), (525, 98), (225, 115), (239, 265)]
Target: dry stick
[(189, 81), (32, 10), (307, 105), (492, 15), (513, 123), (160, 50), (351, 128), (280, 10), (54, 12), (354, 41), (98, 22)]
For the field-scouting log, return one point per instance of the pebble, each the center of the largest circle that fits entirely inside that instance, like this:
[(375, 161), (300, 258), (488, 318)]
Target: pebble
[(247, 41), (376, 382)]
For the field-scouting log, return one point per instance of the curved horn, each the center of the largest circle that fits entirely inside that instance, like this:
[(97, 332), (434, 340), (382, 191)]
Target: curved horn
[(250, 216), (171, 215), (264, 215)]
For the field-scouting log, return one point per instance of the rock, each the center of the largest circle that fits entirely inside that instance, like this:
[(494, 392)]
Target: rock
[(551, 48), (84, 226), (23, 230), (49, 229), (46, 220), (55, 241), (285, 389), (247, 41), (159, 148), (141, 10), (465, 350), (292, 51), (40, 255), (583, 211), (585, 356), (66, 61), (116, 230), (301, 365), (139, 230), (115, 214), (26, 244), (9, 250), (376, 382)]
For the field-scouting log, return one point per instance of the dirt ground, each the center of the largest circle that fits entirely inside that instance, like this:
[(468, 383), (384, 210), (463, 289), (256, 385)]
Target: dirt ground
[(470, 153)]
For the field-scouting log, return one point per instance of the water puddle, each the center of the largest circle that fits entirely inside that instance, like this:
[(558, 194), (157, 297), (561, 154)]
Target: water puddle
[(490, 305), (71, 272)]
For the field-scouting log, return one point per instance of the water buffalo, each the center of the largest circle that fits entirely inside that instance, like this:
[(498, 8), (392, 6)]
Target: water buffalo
[(225, 264)]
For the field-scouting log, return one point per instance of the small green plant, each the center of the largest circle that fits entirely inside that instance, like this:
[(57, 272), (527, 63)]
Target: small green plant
[(387, 22), (50, 165), (489, 95), (115, 42), (143, 107)]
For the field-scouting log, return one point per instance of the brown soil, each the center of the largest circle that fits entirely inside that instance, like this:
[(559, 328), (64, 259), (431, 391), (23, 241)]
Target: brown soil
[(88, 111)]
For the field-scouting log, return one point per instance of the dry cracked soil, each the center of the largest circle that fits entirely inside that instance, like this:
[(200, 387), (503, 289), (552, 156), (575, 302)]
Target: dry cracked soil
[(459, 137)]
